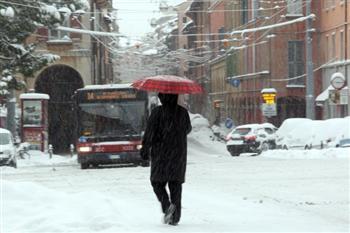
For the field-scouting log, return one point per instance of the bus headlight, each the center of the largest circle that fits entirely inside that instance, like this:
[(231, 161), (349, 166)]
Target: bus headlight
[(85, 149), (139, 147)]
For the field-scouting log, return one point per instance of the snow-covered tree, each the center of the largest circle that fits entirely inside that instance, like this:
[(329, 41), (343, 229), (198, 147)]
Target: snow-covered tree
[(18, 20)]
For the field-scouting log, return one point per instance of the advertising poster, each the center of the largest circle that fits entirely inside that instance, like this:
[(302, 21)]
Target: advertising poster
[(32, 113)]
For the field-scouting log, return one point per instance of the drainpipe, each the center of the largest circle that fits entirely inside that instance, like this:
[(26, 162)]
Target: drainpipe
[(93, 43)]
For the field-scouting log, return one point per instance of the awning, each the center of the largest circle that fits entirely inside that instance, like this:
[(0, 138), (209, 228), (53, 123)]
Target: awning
[(325, 94)]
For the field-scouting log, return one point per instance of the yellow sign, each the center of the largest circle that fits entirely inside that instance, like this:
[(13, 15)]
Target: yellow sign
[(269, 98), (107, 95)]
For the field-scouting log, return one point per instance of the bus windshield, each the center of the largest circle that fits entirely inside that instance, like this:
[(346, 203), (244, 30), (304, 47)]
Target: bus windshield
[(112, 118)]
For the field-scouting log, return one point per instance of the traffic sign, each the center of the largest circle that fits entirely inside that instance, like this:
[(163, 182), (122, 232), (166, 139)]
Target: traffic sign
[(235, 82), (269, 110), (338, 81), (229, 123)]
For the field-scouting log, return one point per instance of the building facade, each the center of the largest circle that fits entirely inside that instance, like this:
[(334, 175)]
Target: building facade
[(333, 38), (84, 59)]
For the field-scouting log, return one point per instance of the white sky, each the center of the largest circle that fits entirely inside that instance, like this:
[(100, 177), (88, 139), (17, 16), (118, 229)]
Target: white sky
[(134, 16)]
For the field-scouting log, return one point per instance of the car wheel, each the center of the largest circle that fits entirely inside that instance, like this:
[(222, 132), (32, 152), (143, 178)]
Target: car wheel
[(95, 165), (13, 164), (272, 146), (235, 153), (264, 147), (84, 165)]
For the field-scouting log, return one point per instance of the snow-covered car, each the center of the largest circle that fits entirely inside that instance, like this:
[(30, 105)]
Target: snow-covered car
[(7, 149), (289, 128), (253, 138), (303, 133), (344, 143)]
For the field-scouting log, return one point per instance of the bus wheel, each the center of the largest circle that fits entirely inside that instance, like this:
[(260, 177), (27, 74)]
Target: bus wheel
[(84, 165)]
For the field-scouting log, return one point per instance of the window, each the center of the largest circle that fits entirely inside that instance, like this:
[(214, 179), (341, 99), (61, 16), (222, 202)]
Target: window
[(244, 11), (256, 12), (55, 34), (296, 62), (184, 19), (327, 49), (334, 48), (294, 7), (221, 32), (342, 46)]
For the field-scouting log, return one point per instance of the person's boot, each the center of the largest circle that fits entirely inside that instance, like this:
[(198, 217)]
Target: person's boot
[(168, 216), (176, 216), (172, 222)]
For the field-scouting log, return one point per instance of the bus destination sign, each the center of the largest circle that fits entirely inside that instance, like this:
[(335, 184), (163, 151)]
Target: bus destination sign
[(109, 95)]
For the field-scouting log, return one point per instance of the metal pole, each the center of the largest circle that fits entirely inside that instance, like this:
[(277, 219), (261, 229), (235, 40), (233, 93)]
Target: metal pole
[(310, 100)]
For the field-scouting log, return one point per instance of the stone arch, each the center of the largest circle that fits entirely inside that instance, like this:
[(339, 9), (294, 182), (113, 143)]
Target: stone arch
[(60, 83)]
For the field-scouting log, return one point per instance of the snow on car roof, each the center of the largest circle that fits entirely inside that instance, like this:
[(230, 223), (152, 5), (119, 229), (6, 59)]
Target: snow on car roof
[(107, 86), (2, 130), (249, 126), (267, 125)]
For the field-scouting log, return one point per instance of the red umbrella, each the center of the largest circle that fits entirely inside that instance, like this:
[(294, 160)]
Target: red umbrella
[(169, 84)]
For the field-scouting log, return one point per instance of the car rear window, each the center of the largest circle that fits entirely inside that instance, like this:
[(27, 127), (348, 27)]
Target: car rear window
[(241, 131), (269, 130)]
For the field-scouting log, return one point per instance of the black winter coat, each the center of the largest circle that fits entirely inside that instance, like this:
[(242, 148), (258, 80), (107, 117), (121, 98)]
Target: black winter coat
[(165, 140)]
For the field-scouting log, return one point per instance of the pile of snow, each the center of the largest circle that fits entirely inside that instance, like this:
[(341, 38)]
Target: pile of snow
[(150, 52), (202, 137), (38, 158), (8, 12), (221, 130), (330, 153), (47, 208)]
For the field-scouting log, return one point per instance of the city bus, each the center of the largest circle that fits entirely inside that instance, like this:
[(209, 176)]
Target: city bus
[(111, 120)]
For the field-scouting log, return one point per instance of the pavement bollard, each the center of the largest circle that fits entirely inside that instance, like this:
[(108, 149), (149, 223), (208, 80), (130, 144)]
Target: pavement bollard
[(50, 150), (71, 150)]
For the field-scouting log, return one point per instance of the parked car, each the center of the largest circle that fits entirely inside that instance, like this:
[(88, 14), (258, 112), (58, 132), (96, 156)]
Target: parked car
[(345, 142), (253, 138), (303, 133), (7, 149), (289, 128)]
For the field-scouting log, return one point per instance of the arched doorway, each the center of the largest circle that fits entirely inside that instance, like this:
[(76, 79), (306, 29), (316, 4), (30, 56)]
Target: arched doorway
[(290, 107), (60, 83)]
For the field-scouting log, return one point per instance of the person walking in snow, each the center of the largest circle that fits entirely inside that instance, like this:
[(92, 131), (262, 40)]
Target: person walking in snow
[(165, 144)]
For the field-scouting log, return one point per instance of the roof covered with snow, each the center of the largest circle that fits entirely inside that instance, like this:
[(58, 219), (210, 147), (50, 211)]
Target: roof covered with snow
[(34, 96)]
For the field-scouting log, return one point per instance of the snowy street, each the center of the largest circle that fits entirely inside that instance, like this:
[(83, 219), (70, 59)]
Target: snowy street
[(221, 194)]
